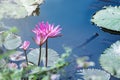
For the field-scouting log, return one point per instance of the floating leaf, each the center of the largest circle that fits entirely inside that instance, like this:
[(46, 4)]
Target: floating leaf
[(52, 56), (12, 9), (33, 56), (17, 56), (94, 74), (12, 41), (82, 62), (111, 63), (110, 59), (108, 17), (31, 6), (18, 8), (114, 48)]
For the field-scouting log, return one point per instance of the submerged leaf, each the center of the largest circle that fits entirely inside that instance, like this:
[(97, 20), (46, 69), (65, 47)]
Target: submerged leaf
[(108, 18), (12, 41), (53, 56), (94, 74)]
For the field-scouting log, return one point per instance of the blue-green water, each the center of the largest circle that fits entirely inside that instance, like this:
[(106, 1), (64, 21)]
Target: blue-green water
[(74, 17)]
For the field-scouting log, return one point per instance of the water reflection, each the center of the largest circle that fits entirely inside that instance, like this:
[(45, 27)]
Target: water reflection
[(111, 31), (88, 40)]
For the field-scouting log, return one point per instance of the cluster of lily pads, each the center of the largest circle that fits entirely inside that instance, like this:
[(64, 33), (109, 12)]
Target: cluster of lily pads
[(107, 18), (43, 63), (31, 64)]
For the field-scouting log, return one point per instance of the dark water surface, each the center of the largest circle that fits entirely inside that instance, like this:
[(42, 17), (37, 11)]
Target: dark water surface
[(74, 17)]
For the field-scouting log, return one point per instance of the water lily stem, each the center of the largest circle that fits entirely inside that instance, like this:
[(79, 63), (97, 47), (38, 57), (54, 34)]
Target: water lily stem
[(26, 57), (46, 53), (39, 55)]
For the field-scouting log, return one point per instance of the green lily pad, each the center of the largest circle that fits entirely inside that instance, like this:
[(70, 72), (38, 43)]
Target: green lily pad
[(110, 59), (108, 17), (94, 74), (111, 63), (12, 41), (31, 6), (53, 56), (33, 56), (18, 8), (114, 48), (14, 9), (17, 56)]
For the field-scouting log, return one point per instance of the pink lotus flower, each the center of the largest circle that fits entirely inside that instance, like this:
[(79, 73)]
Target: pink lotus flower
[(12, 65), (40, 39), (52, 31), (25, 45), (47, 29), (40, 28)]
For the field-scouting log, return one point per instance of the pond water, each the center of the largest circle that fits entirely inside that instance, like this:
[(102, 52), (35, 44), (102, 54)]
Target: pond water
[(78, 32)]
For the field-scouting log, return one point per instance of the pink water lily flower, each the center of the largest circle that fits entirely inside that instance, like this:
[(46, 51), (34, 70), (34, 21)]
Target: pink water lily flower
[(25, 45), (53, 31), (47, 29), (40, 39), (12, 65), (40, 28)]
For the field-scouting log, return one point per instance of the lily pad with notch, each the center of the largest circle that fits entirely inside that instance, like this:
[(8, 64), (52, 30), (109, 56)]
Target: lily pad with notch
[(108, 18), (33, 56)]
